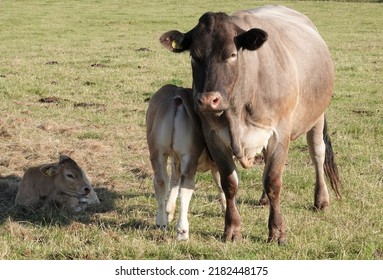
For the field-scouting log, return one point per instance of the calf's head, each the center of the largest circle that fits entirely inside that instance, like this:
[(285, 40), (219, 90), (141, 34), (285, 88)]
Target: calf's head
[(216, 46), (68, 177)]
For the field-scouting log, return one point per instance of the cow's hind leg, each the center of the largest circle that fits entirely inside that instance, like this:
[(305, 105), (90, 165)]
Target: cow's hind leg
[(317, 149), (276, 156), (188, 172), (175, 181), (186, 193), (221, 194), (160, 181), (264, 200)]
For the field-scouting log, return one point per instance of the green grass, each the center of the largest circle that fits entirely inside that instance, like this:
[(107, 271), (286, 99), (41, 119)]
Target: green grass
[(99, 61)]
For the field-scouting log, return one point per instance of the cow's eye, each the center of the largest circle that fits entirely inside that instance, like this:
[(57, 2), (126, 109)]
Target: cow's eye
[(70, 176), (230, 56)]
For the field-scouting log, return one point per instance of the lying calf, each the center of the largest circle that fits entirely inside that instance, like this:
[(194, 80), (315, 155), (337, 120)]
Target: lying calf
[(62, 182), (173, 130)]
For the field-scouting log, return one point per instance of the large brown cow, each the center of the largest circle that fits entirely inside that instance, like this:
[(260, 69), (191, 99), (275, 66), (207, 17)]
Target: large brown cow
[(261, 78), (173, 130)]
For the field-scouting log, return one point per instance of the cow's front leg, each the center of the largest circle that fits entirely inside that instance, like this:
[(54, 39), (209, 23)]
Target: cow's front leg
[(232, 230), (272, 182), (223, 158)]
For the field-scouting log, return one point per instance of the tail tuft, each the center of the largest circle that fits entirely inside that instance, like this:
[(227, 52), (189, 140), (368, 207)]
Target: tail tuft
[(330, 167)]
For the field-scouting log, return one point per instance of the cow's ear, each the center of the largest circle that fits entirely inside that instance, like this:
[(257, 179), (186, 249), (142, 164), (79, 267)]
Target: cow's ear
[(49, 169), (252, 39), (64, 158), (175, 41)]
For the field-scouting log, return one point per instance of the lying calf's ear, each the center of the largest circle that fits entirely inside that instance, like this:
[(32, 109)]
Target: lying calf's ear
[(63, 158), (49, 169)]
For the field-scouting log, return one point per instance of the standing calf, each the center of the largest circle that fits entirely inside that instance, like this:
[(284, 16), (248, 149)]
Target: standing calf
[(173, 130), (62, 182)]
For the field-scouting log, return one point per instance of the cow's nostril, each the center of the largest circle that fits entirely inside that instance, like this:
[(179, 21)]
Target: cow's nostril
[(86, 190), (215, 101)]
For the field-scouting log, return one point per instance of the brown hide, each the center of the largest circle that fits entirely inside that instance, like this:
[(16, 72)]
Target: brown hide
[(62, 182), (173, 130)]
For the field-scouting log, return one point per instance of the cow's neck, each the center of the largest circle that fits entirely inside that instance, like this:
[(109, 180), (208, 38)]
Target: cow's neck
[(248, 133)]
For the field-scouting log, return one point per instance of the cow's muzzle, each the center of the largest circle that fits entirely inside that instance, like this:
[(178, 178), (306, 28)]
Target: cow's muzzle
[(210, 102)]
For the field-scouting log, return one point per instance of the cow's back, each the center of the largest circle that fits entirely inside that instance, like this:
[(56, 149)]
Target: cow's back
[(295, 63), (278, 15)]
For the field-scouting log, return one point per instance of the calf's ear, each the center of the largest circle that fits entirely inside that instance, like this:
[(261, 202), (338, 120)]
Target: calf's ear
[(175, 41), (63, 158), (49, 169), (251, 40)]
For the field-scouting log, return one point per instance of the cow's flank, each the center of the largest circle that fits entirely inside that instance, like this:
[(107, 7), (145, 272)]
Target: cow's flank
[(261, 78)]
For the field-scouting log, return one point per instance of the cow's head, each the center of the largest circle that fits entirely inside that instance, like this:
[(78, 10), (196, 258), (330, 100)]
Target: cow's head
[(68, 177), (215, 46)]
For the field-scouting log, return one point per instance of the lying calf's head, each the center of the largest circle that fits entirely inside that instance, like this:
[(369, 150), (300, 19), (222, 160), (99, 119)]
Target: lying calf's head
[(70, 180)]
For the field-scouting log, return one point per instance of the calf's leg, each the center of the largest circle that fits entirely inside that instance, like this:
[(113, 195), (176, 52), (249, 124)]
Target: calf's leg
[(160, 182), (188, 172), (175, 181), (221, 194)]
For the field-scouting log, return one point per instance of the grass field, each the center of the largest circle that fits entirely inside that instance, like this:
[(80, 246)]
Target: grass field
[(75, 78)]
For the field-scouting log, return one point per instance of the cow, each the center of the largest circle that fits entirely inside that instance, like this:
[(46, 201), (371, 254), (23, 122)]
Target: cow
[(63, 183), (173, 129), (261, 79)]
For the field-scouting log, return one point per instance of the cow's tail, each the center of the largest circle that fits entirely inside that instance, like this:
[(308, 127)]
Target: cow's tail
[(189, 107), (330, 167)]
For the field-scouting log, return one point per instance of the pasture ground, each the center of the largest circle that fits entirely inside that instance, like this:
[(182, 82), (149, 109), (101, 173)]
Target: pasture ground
[(75, 78)]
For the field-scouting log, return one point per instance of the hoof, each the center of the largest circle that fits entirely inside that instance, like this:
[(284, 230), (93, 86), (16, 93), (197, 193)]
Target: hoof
[(263, 202), (282, 241), (277, 235), (182, 235), (161, 227), (234, 237), (321, 206)]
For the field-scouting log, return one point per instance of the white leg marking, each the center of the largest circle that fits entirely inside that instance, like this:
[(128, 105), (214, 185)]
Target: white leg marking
[(183, 223)]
